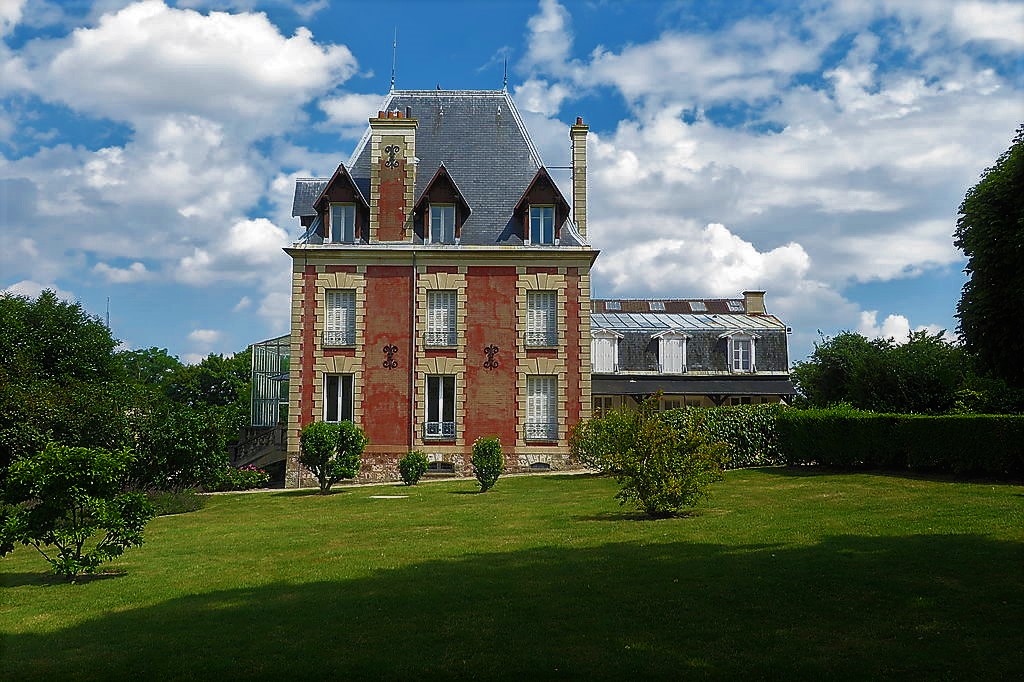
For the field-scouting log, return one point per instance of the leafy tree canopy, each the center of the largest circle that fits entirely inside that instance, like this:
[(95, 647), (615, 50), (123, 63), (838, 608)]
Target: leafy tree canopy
[(990, 232)]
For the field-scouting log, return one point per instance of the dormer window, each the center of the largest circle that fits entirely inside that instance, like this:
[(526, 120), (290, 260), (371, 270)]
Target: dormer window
[(742, 352), (672, 352), (442, 223), (342, 224), (542, 224)]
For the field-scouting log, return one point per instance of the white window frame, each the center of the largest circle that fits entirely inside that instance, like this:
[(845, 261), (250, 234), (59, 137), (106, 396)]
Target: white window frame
[(541, 407), (440, 429), (596, 337), (349, 209), (542, 319), (339, 317), (341, 378), (442, 316), (663, 339), (602, 404), (437, 236), (532, 235), (735, 339)]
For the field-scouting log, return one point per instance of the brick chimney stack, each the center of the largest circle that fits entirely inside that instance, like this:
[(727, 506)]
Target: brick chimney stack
[(392, 175), (753, 302), (578, 135)]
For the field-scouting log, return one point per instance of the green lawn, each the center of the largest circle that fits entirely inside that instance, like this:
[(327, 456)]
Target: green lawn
[(783, 574)]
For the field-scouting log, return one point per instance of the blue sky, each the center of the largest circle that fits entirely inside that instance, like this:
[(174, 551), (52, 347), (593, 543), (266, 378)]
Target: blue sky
[(817, 150)]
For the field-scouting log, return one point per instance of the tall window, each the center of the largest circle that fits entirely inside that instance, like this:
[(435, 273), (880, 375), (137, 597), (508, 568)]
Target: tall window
[(337, 397), (343, 223), (741, 353), (440, 424), (441, 314), (672, 353), (542, 318), (542, 224), (340, 327), (442, 223), (604, 353), (541, 408)]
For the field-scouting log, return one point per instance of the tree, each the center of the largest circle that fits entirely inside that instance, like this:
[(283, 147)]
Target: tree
[(488, 462), (332, 452), (990, 232), (63, 497), (148, 366), (659, 469), (59, 380), (179, 447), (924, 375)]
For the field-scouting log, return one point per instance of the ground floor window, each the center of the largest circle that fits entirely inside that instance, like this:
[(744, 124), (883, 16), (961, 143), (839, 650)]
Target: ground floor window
[(671, 403), (337, 397), (740, 400), (603, 404), (440, 413), (542, 408)]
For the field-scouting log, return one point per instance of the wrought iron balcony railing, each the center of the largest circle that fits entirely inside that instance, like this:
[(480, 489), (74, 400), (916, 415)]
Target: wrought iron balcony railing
[(438, 430), (544, 338), (443, 339), (542, 430), (340, 337)]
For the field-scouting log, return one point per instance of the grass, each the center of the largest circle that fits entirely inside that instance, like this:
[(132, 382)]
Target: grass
[(783, 574)]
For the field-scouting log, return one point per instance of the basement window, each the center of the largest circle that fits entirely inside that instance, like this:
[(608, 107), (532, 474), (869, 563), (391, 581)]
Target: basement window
[(440, 468)]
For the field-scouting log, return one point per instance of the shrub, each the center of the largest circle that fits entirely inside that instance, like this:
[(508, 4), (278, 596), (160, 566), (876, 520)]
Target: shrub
[(166, 502), (230, 478), (64, 497), (179, 447), (488, 461), (659, 468), (960, 444), (412, 467), (332, 452), (749, 431)]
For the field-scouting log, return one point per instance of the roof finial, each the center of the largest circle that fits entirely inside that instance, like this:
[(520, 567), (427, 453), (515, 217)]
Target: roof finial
[(394, 57), (504, 81)]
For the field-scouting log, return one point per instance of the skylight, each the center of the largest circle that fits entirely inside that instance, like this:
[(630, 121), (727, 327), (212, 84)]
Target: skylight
[(735, 306), (698, 307), (612, 305), (657, 305)]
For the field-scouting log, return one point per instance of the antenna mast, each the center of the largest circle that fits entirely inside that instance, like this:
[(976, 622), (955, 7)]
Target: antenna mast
[(504, 80), (108, 312), (394, 57)]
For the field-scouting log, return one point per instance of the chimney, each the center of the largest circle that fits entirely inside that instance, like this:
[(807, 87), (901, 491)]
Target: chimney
[(578, 135), (392, 175), (753, 302)]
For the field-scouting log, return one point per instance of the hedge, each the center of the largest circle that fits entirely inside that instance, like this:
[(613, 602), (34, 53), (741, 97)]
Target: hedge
[(959, 444), (749, 431)]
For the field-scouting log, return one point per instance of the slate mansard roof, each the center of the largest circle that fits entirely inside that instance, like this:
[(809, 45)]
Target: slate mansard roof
[(680, 315), (480, 138)]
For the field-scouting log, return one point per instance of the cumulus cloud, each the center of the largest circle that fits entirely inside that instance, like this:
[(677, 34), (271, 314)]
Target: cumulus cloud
[(136, 272), (349, 112), (894, 326), (32, 289), (204, 336)]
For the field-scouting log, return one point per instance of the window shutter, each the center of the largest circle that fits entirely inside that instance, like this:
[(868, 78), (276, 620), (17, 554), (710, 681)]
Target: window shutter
[(340, 318), (542, 318), (441, 315), (672, 354), (603, 352)]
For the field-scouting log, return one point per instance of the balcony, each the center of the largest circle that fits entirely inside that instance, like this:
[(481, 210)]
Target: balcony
[(546, 431), (544, 338), (340, 337), (439, 431), (440, 339)]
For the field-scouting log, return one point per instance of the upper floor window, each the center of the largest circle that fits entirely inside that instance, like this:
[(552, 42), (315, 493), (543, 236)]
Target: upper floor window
[(604, 352), (542, 318), (343, 223), (672, 353), (741, 353), (542, 224), (340, 318), (441, 315), (442, 223), (337, 397), (440, 412)]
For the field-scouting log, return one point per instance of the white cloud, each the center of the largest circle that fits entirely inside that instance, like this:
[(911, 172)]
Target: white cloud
[(894, 326), (10, 14), (351, 111), (541, 97), (244, 303), (193, 358), (204, 337), (136, 272), (549, 38), (219, 66), (999, 22), (32, 289)]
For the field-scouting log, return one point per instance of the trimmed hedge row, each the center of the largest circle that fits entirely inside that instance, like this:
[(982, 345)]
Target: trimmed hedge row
[(959, 444), (749, 431)]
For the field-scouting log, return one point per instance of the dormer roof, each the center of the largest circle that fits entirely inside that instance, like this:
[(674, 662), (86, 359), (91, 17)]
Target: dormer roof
[(540, 177), (341, 175), (442, 175)]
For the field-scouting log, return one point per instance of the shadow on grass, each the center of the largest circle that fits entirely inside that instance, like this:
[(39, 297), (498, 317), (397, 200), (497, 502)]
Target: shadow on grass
[(637, 516), (919, 607), (309, 492), (19, 579), (807, 471)]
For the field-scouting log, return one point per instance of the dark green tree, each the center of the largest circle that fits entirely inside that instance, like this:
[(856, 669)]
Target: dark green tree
[(332, 452), (990, 232), (148, 366), (488, 461)]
